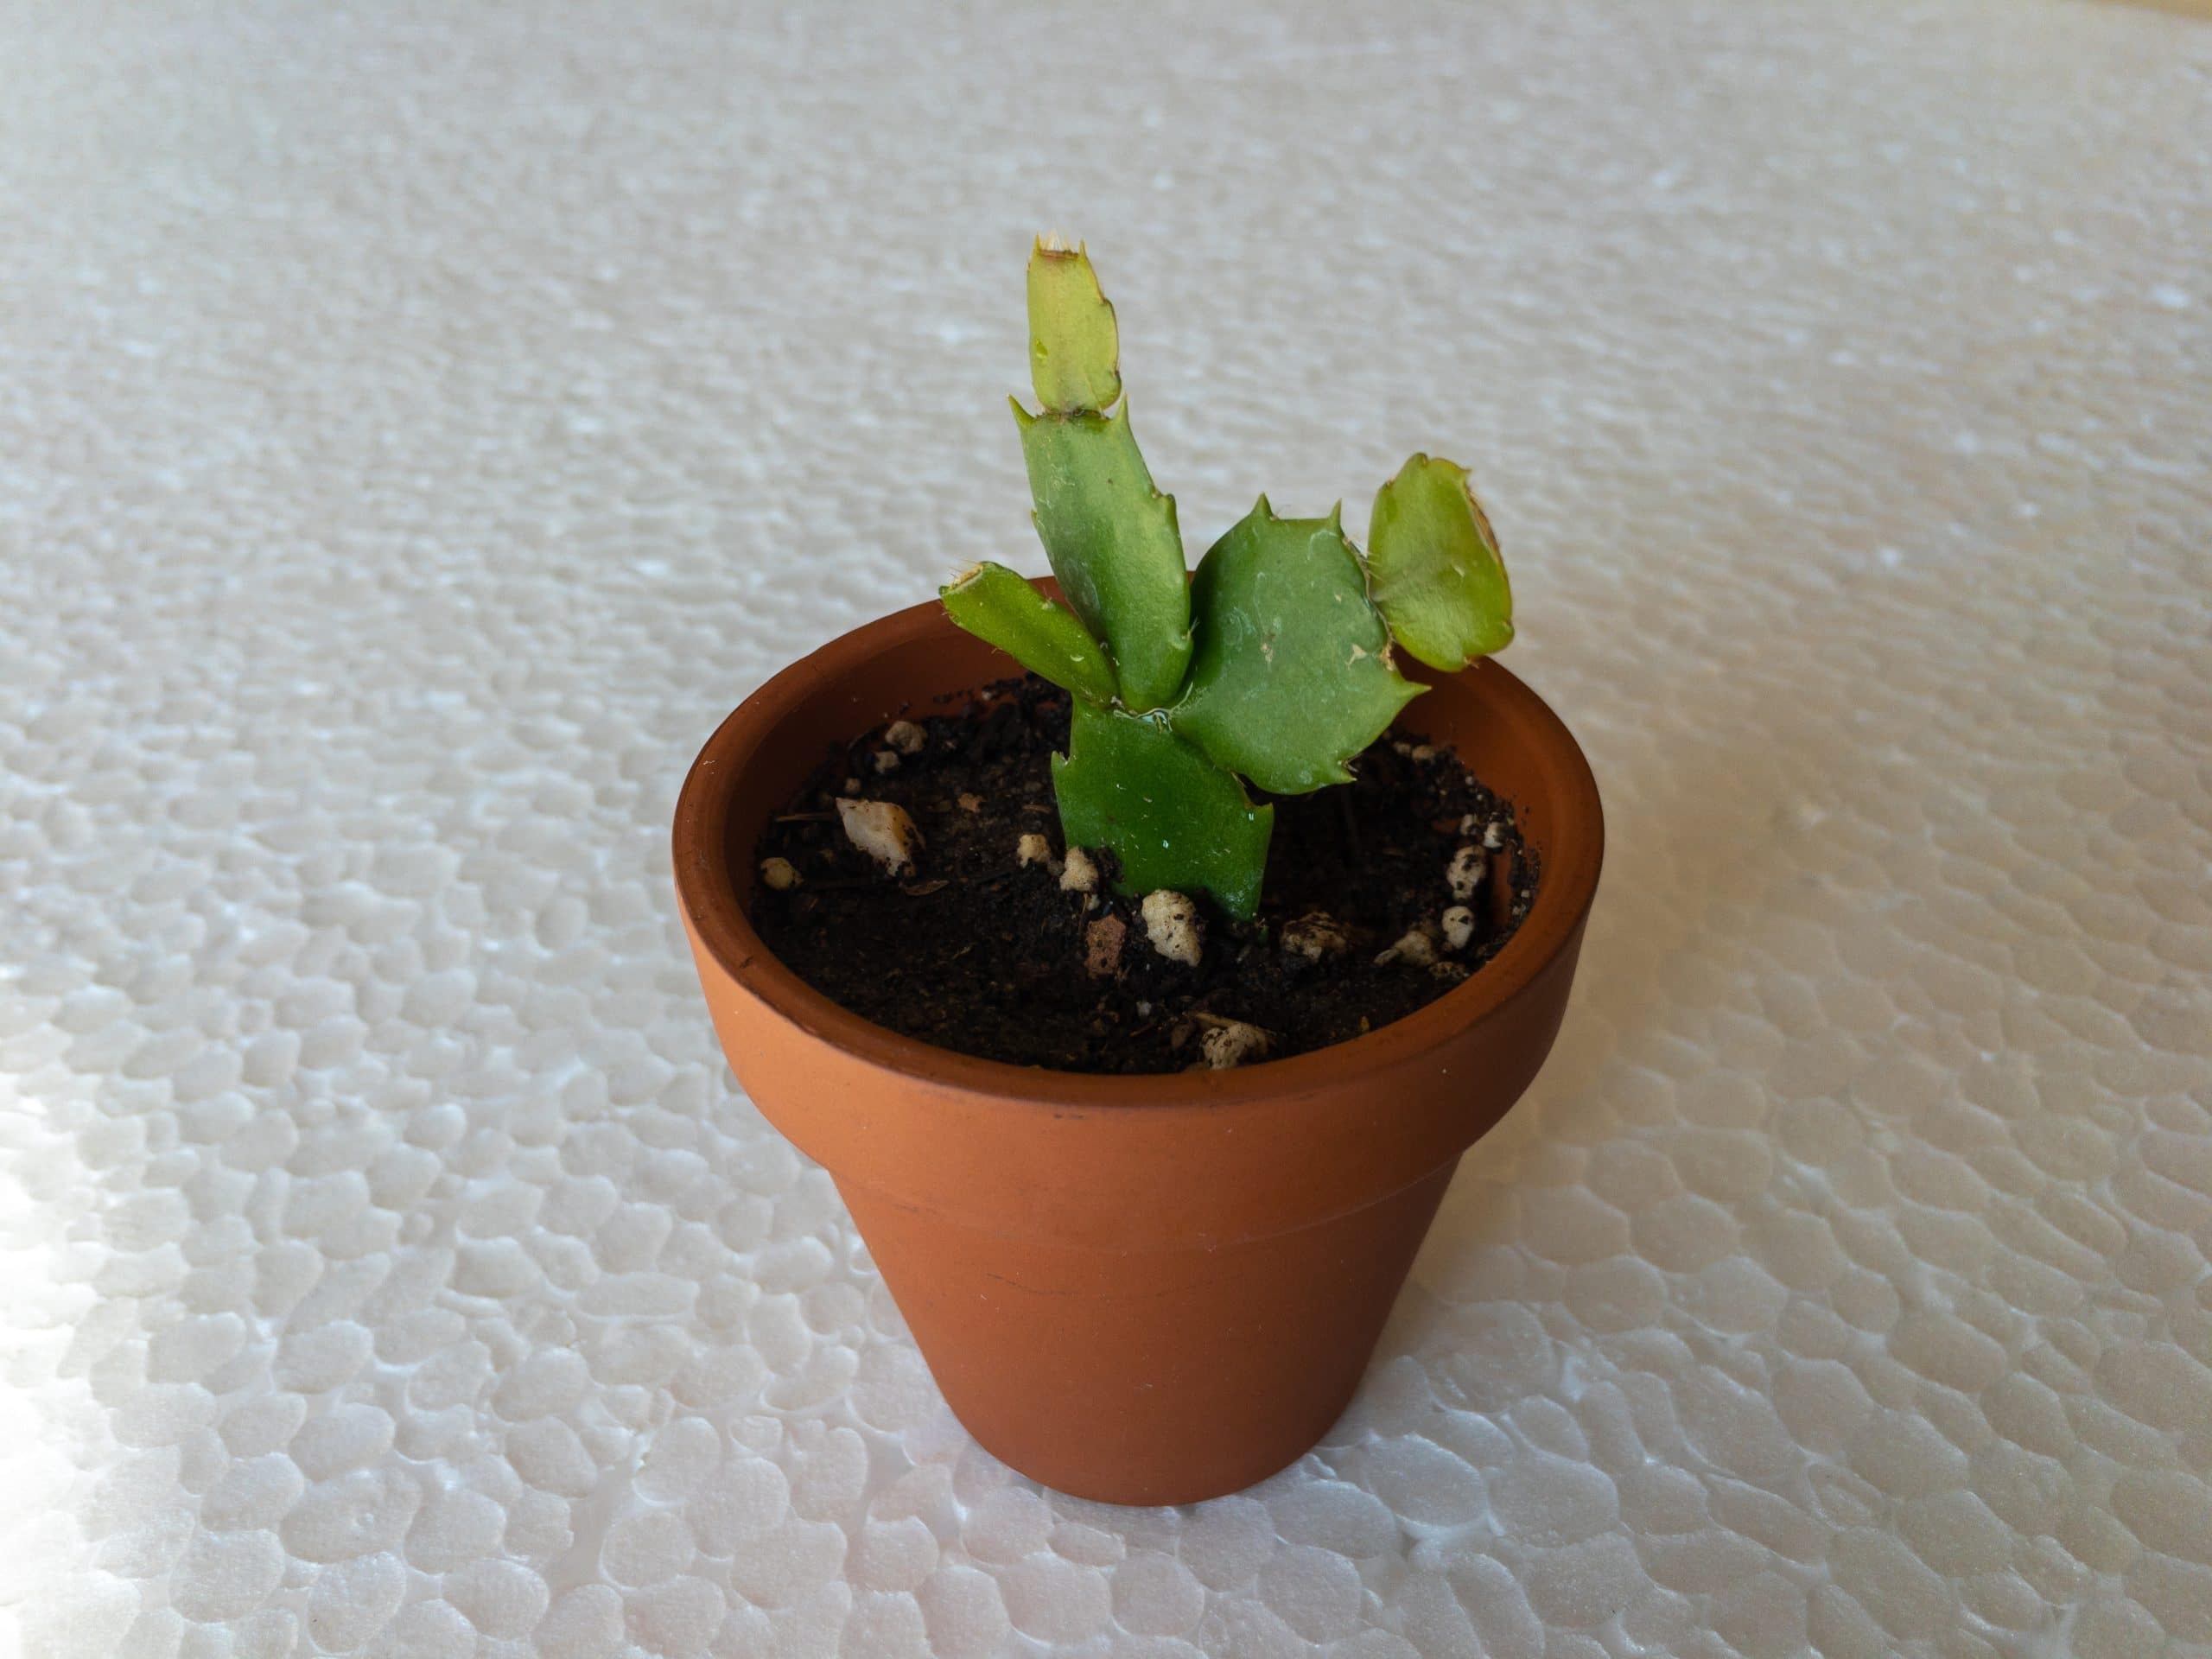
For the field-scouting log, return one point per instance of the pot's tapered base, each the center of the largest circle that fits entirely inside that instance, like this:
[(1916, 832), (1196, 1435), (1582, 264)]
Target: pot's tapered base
[(1149, 1376)]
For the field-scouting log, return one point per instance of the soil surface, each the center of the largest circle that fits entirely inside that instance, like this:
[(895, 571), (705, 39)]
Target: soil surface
[(975, 952)]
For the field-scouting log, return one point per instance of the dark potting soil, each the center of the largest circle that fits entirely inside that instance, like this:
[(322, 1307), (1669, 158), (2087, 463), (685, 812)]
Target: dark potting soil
[(976, 952)]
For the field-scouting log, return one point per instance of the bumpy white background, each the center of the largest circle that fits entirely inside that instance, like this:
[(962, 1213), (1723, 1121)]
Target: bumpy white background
[(419, 426)]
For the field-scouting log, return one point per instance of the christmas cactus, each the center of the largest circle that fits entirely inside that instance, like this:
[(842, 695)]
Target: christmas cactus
[(1273, 668)]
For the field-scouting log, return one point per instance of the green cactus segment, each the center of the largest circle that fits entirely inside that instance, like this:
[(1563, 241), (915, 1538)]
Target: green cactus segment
[(1293, 674), (1172, 818), (1113, 544), (1075, 347), (995, 604), (1438, 577)]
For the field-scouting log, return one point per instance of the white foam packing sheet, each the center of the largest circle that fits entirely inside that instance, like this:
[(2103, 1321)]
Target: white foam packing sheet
[(418, 427)]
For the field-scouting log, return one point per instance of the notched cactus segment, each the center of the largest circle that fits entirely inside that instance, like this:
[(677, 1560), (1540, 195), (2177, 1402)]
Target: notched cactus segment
[(997, 605), (1074, 347), (1293, 674), (1437, 576), (1275, 665), (1115, 545), (1173, 818)]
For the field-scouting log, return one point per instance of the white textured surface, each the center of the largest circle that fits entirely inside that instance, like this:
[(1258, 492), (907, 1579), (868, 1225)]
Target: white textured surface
[(417, 428)]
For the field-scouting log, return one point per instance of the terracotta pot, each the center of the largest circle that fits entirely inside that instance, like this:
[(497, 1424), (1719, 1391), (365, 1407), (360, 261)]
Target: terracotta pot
[(1151, 1289)]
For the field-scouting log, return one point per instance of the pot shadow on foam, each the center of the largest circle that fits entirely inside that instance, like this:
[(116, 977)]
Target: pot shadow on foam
[(1720, 850)]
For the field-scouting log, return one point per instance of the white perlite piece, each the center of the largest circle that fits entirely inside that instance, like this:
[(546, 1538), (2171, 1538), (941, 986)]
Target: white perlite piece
[(1414, 947), (1315, 935), (905, 736), (884, 832), (1491, 830), (1229, 1043), (779, 873), (1465, 872), (887, 761), (1458, 924), (1033, 848), (1171, 922), (1080, 872)]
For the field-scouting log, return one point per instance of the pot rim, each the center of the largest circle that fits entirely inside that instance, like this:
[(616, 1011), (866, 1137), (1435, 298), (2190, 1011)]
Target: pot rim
[(718, 922)]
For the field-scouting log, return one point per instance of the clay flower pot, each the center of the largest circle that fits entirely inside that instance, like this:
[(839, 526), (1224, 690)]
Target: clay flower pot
[(1147, 1289)]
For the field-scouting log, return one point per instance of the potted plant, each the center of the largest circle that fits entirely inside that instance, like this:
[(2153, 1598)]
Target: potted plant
[(1141, 1006)]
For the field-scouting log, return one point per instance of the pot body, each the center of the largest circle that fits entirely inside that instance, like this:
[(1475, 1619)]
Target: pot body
[(1149, 1377), (1142, 1290)]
